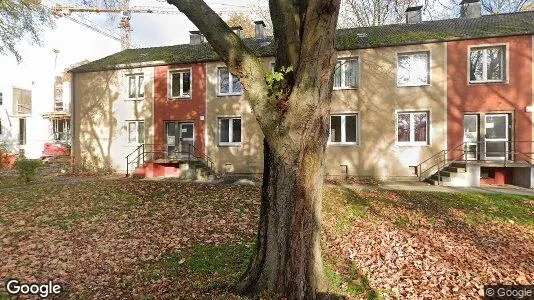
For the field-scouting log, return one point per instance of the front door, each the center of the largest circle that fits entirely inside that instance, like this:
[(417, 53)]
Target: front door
[(178, 137), (497, 136), (471, 137)]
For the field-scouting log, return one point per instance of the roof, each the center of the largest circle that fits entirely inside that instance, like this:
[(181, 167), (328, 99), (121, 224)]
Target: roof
[(347, 39)]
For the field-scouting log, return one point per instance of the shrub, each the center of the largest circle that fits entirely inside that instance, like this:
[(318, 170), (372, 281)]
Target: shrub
[(27, 168)]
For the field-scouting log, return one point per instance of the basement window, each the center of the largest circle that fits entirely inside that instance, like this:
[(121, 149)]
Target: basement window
[(487, 64)]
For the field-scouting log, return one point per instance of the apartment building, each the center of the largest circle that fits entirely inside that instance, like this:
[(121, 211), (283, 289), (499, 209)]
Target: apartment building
[(405, 98)]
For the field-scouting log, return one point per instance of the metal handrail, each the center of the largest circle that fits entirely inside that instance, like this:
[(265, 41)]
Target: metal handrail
[(144, 149), (441, 161)]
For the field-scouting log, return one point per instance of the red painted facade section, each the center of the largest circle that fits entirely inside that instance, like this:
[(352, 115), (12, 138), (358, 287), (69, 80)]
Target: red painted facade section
[(512, 96), (180, 110)]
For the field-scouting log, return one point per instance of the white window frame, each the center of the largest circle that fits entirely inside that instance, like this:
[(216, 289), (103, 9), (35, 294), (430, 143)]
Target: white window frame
[(181, 72), (230, 131), (136, 132), (412, 141), (140, 86), (411, 55), (230, 83), (343, 85), (343, 130), (504, 64)]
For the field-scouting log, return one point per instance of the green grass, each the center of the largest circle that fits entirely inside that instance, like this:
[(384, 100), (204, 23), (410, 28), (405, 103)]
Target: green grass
[(353, 283), (205, 266)]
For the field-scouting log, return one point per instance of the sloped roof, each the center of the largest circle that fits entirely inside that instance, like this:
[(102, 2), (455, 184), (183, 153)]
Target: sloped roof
[(347, 39)]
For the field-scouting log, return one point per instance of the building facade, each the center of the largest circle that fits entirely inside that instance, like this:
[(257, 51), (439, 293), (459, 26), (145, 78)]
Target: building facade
[(402, 94)]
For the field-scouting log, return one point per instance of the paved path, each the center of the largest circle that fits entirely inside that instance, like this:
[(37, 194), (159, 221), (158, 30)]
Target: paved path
[(421, 186)]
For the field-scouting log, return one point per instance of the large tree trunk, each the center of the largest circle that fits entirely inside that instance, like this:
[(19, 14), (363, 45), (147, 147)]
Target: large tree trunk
[(287, 262)]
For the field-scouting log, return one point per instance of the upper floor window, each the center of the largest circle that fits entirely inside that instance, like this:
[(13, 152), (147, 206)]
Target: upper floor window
[(136, 132), (344, 129), (487, 64), (136, 89), (413, 69), (412, 128), (180, 84), (22, 101), (230, 131), (347, 74), (228, 83)]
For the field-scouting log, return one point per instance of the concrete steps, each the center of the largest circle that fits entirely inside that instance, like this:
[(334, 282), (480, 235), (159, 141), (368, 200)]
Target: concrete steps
[(195, 170), (452, 175)]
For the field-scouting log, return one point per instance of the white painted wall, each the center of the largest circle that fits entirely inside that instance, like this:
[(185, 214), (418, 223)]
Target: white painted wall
[(37, 71)]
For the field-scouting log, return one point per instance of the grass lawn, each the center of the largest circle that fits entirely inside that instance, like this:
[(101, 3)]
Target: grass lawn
[(122, 238)]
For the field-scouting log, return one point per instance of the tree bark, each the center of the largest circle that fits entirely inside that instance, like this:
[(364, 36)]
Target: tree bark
[(294, 118)]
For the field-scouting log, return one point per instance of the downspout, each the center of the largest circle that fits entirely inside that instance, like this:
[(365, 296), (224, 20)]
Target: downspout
[(72, 122)]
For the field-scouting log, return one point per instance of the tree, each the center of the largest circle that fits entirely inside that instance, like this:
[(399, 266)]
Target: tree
[(21, 20), (243, 20), (292, 110), (365, 13)]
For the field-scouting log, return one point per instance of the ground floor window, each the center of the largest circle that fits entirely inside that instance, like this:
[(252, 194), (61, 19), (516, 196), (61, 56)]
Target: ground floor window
[(412, 128), (136, 132), (22, 131), (230, 131), (60, 129), (344, 129)]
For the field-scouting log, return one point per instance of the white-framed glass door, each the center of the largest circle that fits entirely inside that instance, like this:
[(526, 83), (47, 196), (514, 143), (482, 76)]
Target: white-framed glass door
[(178, 137), (497, 136), (187, 137), (471, 135)]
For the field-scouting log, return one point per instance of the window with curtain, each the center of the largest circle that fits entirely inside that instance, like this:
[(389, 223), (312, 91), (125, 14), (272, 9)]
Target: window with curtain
[(228, 83), (412, 128), (347, 72), (413, 69)]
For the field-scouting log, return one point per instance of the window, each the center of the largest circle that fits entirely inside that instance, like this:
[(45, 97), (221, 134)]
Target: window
[(136, 89), (22, 101), (60, 128), (487, 64), (228, 83), (180, 84), (344, 129), (413, 69), (412, 128), (347, 74), (230, 131), (22, 131), (136, 132)]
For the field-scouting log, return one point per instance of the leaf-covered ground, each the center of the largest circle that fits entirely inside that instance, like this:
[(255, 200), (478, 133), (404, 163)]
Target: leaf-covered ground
[(120, 239)]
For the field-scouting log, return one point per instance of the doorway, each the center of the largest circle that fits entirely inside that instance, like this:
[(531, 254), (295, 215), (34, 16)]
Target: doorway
[(471, 137), (497, 136), (178, 137)]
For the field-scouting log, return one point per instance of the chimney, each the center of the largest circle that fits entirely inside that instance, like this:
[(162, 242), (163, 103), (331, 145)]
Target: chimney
[(237, 30), (414, 15), (470, 9), (196, 38), (259, 29)]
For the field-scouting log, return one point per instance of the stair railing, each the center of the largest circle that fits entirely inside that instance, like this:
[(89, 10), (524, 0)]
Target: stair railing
[(438, 160), (139, 153), (192, 151)]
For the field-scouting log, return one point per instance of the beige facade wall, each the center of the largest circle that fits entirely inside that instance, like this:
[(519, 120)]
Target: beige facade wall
[(101, 111), (377, 102), (247, 157)]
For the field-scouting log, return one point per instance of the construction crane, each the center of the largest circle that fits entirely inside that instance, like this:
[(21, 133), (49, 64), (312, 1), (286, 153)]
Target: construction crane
[(126, 12)]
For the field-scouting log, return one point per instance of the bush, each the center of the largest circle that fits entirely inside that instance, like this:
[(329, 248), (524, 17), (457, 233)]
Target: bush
[(27, 168)]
